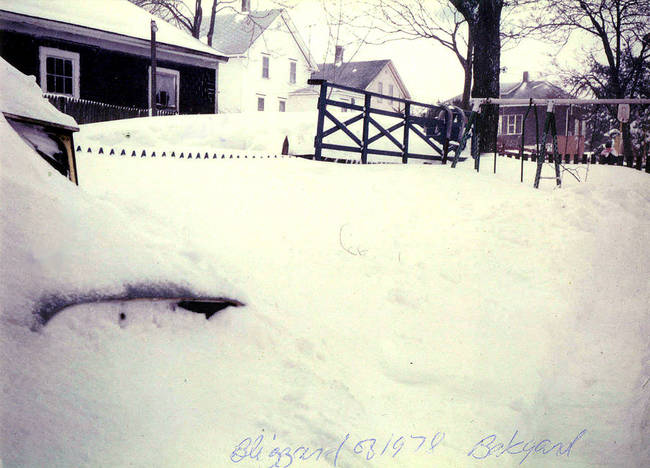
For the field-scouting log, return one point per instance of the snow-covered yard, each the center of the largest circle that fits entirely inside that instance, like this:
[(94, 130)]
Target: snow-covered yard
[(395, 315)]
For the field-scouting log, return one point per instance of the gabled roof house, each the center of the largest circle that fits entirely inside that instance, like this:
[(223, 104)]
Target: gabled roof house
[(570, 120), (267, 59), (100, 51), (379, 76)]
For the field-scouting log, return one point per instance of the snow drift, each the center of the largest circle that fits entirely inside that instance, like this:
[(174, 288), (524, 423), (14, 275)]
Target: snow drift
[(386, 306)]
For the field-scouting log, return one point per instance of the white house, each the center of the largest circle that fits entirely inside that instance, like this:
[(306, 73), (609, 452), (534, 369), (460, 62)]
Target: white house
[(267, 59), (379, 76)]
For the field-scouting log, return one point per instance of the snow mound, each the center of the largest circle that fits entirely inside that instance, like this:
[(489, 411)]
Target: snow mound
[(386, 305), (21, 96)]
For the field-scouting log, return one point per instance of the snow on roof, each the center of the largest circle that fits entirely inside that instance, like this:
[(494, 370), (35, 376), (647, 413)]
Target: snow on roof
[(526, 89), (235, 33), (535, 89), (353, 74), (21, 96), (113, 16)]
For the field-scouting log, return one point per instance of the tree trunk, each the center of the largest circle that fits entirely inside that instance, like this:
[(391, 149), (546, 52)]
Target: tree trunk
[(212, 17), (198, 18), (467, 87), (487, 67)]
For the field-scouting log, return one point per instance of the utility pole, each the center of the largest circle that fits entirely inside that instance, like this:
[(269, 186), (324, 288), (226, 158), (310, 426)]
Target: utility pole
[(152, 97)]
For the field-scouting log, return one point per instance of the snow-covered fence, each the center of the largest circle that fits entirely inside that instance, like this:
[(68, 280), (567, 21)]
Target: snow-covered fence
[(152, 153), (640, 161), (85, 111)]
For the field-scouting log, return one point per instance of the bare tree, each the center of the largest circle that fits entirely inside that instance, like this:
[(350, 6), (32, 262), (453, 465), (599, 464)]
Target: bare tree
[(617, 60), (190, 19), (382, 21)]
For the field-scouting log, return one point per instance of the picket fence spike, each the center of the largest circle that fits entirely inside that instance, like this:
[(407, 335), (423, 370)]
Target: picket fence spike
[(144, 154), (207, 156), (112, 152), (164, 155), (189, 155), (231, 156), (181, 156), (78, 148), (214, 156), (101, 150), (153, 155), (173, 154), (133, 155), (123, 153), (89, 150)]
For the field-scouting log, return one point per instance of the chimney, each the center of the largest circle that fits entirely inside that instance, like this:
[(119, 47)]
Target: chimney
[(245, 6), (338, 55), (525, 78)]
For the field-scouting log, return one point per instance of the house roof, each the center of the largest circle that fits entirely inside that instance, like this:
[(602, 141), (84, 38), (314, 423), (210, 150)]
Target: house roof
[(235, 33), (353, 74), (532, 89), (22, 98), (116, 17), (538, 89)]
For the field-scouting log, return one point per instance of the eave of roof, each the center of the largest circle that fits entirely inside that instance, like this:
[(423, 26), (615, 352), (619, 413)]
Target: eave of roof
[(100, 38), (119, 20)]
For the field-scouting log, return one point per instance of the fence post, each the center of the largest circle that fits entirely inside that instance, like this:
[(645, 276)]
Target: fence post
[(366, 124), (322, 105), (407, 114)]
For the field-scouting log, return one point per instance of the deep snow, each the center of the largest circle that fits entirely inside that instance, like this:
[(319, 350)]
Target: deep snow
[(382, 301)]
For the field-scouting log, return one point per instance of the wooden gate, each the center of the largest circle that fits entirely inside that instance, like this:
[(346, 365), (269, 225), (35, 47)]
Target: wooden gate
[(403, 128)]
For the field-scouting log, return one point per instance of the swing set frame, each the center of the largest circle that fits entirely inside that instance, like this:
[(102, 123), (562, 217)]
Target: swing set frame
[(471, 129)]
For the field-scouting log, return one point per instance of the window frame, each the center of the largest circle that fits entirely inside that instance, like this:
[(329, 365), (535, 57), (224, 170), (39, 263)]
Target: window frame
[(513, 121), (44, 53), (282, 105), (166, 71), (293, 71), (266, 66), (380, 87), (261, 98)]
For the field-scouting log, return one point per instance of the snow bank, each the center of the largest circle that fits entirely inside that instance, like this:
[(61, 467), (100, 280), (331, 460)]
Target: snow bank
[(21, 96), (258, 132), (59, 244), (252, 133), (385, 304)]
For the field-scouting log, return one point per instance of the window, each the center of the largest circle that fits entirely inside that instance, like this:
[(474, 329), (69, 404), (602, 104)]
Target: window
[(167, 88), (282, 105), (265, 66), (292, 72), (512, 124), (391, 90), (260, 103), (59, 71), (381, 89)]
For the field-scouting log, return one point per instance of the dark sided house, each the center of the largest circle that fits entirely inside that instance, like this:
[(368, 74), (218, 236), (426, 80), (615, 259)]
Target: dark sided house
[(570, 120), (100, 51)]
